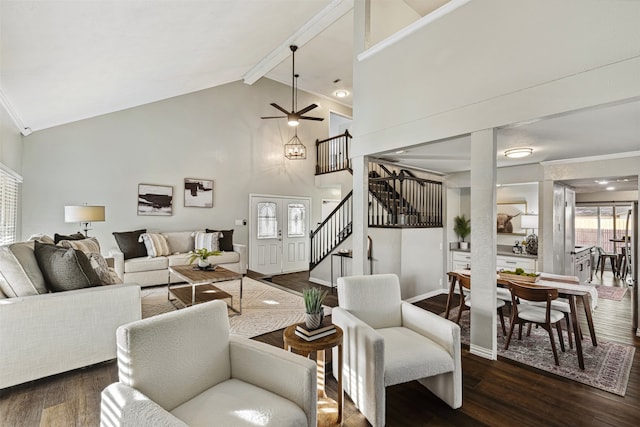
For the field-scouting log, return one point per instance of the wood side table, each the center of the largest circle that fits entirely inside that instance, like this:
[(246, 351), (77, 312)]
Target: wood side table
[(294, 342)]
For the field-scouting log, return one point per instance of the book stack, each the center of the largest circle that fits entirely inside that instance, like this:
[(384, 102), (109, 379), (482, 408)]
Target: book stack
[(314, 334)]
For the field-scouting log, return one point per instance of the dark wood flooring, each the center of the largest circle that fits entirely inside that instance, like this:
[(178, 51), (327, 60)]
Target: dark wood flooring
[(496, 393)]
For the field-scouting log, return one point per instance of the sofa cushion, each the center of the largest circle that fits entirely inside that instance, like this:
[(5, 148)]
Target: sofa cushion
[(134, 265), (65, 269), (180, 241), (129, 245), (225, 239), (75, 236), (208, 241), (87, 246), (107, 275), (178, 259), (156, 244), (20, 275), (230, 402)]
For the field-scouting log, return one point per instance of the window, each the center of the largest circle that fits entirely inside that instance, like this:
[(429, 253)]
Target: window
[(295, 215), (9, 192), (267, 221)]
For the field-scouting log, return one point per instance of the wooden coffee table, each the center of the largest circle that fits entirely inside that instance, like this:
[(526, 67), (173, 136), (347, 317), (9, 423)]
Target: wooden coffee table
[(200, 286)]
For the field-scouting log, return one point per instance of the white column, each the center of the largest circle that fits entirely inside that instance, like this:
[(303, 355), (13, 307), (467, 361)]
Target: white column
[(360, 166), (545, 222), (483, 243)]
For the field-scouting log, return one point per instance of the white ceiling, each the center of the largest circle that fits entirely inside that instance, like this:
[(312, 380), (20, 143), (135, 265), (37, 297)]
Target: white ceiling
[(66, 60)]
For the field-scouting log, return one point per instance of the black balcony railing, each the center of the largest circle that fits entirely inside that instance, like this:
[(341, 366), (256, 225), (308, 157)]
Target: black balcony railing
[(332, 154)]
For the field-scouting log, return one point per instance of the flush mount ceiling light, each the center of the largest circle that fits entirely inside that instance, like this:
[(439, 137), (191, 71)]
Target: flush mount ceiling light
[(341, 93), (516, 153)]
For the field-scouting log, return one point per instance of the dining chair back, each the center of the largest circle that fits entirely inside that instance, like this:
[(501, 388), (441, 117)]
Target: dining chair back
[(545, 316), (603, 256), (464, 284)]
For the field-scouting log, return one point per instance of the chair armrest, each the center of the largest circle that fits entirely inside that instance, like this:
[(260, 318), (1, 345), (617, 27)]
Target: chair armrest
[(244, 260), (122, 405), (286, 374), (437, 328), (118, 261), (363, 363)]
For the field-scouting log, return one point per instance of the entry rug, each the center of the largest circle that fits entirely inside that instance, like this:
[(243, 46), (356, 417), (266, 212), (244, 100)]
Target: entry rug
[(607, 366), (264, 308), (611, 292)]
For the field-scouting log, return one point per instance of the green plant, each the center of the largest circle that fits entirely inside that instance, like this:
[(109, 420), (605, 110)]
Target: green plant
[(202, 254), (313, 299), (462, 227)]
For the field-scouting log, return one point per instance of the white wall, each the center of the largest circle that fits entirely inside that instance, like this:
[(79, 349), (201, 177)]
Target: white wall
[(10, 143), (421, 246), (490, 63), (212, 134)]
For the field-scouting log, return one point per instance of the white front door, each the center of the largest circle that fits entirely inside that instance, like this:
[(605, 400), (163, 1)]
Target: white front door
[(279, 234)]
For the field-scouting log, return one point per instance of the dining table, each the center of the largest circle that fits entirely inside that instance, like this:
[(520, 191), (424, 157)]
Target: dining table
[(587, 293)]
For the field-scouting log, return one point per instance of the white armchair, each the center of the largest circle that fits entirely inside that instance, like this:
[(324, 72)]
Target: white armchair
[(388, 341), (183, 368)]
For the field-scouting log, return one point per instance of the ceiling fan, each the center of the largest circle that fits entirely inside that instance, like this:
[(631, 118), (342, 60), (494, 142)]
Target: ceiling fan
[(294, 117)]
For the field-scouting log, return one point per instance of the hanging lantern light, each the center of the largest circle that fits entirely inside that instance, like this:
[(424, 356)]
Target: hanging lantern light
[(295, 149)]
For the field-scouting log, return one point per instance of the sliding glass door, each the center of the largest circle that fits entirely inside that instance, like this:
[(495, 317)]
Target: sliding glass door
[(602, 224)]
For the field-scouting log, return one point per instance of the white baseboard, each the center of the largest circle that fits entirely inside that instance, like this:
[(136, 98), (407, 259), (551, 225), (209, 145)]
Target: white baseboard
[(425, 296), (486, 353)]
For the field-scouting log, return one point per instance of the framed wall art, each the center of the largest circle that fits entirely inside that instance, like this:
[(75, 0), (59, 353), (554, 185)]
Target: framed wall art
[(508, 217), (198, 193), (155, 200)]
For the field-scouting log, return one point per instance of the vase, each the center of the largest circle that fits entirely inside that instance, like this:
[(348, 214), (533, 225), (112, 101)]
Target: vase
[(313, 320), (203, 263), (464, 245)]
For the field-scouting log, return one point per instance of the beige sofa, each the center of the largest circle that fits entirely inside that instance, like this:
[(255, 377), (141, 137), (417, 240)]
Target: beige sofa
[(152, 271), (42, 333)]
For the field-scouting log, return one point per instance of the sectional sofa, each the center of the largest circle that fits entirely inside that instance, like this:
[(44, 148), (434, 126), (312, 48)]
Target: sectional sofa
[(152, 270)]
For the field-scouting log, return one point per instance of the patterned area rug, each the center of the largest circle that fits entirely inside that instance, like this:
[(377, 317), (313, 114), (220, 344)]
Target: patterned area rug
[(264, 308), (607, 366), (611, 292)]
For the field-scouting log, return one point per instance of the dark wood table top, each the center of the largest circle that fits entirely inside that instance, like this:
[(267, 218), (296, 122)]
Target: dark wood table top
[(194, 275)]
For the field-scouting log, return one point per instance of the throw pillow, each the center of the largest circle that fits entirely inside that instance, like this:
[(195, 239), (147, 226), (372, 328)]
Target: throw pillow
[(65, 269), (75, 236), (156, 244), (129, 245), (107, 275), (42, 238), (209, 241), (225, 239), (87, 246)]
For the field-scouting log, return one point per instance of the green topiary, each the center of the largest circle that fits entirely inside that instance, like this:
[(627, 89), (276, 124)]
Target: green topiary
[(462, 227)]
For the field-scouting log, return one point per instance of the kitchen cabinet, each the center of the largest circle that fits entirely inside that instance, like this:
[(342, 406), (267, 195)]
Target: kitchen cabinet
[(461, 260)]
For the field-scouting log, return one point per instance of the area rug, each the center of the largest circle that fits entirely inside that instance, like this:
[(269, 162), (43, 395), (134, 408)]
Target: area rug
[(607, 366), (611, 292), (264, 308)]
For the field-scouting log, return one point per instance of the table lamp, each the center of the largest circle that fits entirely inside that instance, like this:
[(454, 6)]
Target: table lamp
[(84, 215), (530, 221)]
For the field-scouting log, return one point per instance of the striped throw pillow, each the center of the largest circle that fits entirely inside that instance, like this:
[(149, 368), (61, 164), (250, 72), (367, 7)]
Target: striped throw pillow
[(156, 244), (209, 241), (88, 246)]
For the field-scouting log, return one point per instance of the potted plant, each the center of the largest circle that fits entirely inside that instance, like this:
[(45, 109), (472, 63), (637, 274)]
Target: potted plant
[(202, 255), (462, 228), (313, 299)]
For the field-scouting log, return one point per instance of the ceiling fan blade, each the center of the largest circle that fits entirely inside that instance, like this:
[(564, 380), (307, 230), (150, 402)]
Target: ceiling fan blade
[(307, 109), (319, 119), (274, 117), (273, 104)]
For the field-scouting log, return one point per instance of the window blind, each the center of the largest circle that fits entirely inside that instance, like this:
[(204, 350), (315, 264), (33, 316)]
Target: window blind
[(9, 196)]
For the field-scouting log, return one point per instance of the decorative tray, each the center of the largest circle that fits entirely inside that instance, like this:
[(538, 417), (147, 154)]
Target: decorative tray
[(207, 268), (518, 277)]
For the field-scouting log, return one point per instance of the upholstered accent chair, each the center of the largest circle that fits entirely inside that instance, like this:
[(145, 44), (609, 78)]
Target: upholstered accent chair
[(388, 341), (184, 368)]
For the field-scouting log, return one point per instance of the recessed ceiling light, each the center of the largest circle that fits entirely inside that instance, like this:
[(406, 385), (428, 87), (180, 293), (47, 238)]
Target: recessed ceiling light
[(341, 93), (516, 153), (611, 188), (602, 182), (400, 151)]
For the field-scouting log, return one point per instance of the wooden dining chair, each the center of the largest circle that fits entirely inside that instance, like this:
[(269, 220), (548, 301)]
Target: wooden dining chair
[(464, 283), (522, 313)]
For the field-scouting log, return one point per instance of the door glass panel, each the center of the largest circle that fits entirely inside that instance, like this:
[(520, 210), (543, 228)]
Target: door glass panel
[(587, 226), (267, 220), (606, 228), (295, 218)]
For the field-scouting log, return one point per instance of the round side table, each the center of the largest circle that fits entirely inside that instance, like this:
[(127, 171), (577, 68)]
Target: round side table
[(294, 342)]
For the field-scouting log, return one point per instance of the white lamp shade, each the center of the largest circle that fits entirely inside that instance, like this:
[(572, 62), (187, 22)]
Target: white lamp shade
[(529, 221), (83, 213)]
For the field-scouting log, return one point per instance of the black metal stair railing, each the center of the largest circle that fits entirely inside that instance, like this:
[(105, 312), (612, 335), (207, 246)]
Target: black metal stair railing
[(332, 154), (332, 231)]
